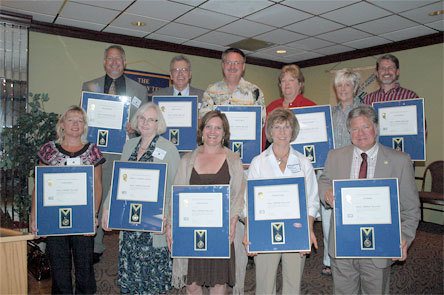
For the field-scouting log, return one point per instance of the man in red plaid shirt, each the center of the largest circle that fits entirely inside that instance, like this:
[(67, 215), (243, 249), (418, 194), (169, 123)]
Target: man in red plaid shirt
[(387, 73)]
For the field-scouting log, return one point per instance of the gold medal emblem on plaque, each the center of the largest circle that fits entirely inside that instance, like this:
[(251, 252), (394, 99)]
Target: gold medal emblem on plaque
[(309, 152), (174, 136), (277, 233), (135, 215), (238, 147), (398, 143), (65, 218), (200, 240), (367, 238), (102, 138)]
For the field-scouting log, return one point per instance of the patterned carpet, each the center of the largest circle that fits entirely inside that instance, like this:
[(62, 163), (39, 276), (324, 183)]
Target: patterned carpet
[(422, 273)]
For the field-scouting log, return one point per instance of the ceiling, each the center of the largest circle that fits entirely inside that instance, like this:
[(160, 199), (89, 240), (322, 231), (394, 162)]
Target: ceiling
[(304, 29)]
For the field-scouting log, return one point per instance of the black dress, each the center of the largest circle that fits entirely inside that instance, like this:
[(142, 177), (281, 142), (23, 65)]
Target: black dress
[(209, 272)]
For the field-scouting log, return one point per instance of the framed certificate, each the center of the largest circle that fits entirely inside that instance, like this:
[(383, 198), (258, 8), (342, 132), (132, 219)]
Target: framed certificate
[(366, 218), (201, 221), (277, 215), (402, 126), (245, 130), (315, 138), (137, 197), (107, 119), (64, 200), (180, 113)]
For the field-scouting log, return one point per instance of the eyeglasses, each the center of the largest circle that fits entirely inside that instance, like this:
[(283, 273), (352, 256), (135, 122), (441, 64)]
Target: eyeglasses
[(233, 62), (144, 120), (179, 70)]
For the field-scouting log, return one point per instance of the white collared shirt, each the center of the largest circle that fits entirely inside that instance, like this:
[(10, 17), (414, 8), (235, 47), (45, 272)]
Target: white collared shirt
[(265, 165), (372, 155), (185, 92)]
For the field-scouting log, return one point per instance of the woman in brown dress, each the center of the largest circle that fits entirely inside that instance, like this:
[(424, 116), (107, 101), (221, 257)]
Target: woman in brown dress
[(211, 163)]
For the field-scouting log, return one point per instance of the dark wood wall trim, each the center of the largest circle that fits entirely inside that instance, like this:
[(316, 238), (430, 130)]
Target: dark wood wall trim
[(73, 32), (376, 50)]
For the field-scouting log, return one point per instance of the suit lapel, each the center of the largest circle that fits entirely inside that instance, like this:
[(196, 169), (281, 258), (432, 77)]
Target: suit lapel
[(346, 162), (382, 164)]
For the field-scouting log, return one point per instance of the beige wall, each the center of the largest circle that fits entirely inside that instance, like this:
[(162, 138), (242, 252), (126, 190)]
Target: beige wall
[(59, 65)]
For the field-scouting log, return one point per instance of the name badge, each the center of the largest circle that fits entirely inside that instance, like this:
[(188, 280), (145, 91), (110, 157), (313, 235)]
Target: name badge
[(73, 161), (159, 153), (136, 102), (294, 168)]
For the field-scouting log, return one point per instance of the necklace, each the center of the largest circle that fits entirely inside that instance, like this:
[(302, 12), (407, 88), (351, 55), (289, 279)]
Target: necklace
[(281, 159)]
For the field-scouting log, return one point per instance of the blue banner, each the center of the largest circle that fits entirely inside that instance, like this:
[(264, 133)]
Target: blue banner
[(152, 81), (366, 218), (64, 200)]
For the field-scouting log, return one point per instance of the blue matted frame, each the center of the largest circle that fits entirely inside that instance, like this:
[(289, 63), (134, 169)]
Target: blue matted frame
[(151, 215), (217, 242), (297, 239), (82, 216), (187, 135), (116, 138), (414, 145), (247, 149), (321, 149), (387, 237)]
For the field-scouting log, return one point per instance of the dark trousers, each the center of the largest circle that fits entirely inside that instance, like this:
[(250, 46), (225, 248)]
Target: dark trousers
[(63, 250)]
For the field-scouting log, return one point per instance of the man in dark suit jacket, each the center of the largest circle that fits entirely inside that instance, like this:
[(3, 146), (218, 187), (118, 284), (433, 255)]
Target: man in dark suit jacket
[(180, 73), (114, 82), (362, 275)]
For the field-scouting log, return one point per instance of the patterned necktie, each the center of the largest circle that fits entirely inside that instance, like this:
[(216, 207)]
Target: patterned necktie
[(179, 94), (112, 88), (363, 168)]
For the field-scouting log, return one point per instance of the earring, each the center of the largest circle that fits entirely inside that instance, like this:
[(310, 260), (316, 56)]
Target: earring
[(202, 139), (223, 141)]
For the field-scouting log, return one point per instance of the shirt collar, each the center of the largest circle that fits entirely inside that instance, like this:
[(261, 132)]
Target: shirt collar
[(241, 82), (184, 92), (269, 151), (371, 153), (394, 89)]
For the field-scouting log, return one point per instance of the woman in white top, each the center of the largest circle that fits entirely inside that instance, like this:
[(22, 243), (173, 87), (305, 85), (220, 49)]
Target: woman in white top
[(280, 160)]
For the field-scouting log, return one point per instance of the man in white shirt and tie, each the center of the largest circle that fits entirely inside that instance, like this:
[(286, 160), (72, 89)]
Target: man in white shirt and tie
[(366, 158)]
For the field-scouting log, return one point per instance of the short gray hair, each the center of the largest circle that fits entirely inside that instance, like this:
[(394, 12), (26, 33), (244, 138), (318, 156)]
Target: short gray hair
[(348, 75), (161, 124), (180, 58), (117, 47), (366, 111)]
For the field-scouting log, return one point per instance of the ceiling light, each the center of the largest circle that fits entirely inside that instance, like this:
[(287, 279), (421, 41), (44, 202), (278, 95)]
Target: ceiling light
[(281, 51), (436, 12), (138, 24), (250, 44)]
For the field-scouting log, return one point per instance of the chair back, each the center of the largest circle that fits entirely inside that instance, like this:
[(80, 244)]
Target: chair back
[(436, 170)]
